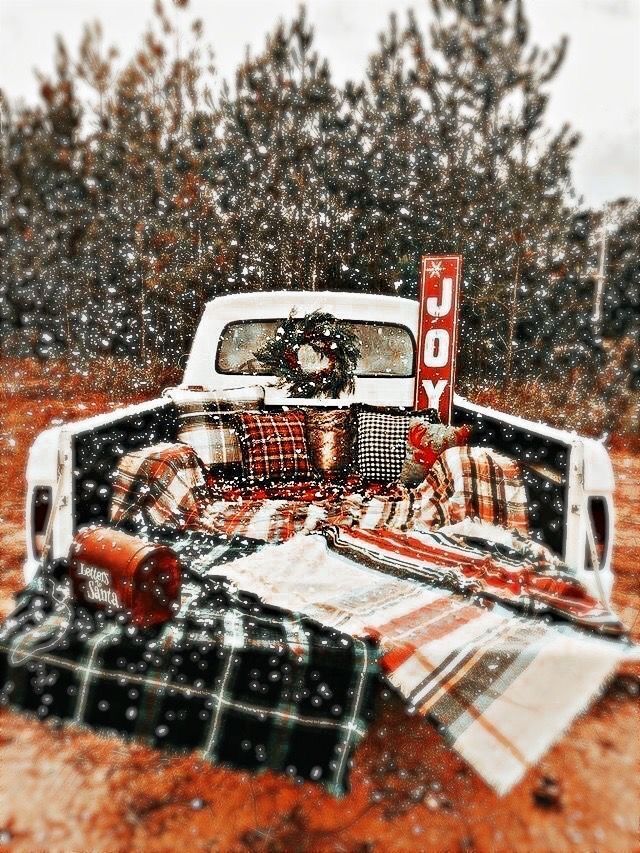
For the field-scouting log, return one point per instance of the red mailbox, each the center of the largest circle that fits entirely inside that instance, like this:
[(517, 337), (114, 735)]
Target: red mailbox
[(111, 569)]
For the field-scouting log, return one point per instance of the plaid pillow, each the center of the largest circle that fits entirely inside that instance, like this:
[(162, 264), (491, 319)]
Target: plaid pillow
[(213, 436), (274, 446), (205, 423), (381, 442)]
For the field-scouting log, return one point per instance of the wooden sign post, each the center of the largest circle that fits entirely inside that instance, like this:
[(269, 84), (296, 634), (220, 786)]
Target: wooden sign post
[(439, 291)]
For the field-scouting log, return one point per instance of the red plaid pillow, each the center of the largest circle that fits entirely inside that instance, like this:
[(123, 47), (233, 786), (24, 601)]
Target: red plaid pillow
[(274, 447)]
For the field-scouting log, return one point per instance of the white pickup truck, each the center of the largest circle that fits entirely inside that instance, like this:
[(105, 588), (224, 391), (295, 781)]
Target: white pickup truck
[(569, 478)]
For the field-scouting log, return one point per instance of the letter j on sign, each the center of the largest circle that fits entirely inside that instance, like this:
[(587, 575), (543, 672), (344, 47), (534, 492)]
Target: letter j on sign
[(438, 332)]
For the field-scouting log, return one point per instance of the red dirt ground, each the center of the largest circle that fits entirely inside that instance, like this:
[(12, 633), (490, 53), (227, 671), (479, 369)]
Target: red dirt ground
[(64, 789)]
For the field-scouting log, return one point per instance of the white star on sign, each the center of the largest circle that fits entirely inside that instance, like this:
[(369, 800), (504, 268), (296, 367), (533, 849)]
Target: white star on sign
[(434, 269)]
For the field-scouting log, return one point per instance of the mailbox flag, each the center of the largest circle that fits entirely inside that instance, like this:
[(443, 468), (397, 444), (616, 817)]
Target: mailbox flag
[(438, 332)]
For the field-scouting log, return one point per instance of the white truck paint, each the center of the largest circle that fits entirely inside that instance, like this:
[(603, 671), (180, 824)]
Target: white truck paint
[(590, 474), (50, 464)]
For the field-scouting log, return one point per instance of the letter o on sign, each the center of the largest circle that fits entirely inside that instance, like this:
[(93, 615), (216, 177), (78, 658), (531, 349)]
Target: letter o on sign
[(436, 348)]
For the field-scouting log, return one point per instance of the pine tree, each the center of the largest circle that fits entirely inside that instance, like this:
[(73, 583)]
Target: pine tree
[(47, 212), (504, 188), (148, 245), (283, 169), (394, 215)]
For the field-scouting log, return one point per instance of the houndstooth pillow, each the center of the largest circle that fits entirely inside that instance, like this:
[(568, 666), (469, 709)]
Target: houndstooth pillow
[(381, 443)]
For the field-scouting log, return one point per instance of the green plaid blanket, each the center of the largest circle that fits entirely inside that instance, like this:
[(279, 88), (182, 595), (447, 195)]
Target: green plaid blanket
[(248, 685)]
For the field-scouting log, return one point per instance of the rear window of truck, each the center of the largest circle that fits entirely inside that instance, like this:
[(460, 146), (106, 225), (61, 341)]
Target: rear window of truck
[(387, 349)]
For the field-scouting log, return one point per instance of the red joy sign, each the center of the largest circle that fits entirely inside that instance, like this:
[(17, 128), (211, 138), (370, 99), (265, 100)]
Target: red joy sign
[(438, 332)]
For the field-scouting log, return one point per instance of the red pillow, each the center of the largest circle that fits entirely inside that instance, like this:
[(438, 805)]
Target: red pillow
[(425, 442), (274, 446)]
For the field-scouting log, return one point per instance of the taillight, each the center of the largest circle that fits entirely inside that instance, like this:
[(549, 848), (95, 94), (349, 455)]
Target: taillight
[(597, 537), (40, 512)]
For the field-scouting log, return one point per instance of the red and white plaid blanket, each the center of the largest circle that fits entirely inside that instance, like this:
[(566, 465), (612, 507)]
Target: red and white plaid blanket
[(473, 482), (526, 577), (501, 687), (161, 485), (165, 485)]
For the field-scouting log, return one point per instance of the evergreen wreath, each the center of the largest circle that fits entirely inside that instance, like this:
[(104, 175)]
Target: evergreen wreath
[(324, 334)]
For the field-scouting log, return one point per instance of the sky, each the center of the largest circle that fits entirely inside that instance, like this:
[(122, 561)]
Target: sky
[(597, 90)]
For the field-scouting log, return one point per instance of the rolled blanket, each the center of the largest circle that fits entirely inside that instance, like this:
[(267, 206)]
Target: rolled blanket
[(472, 482)]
